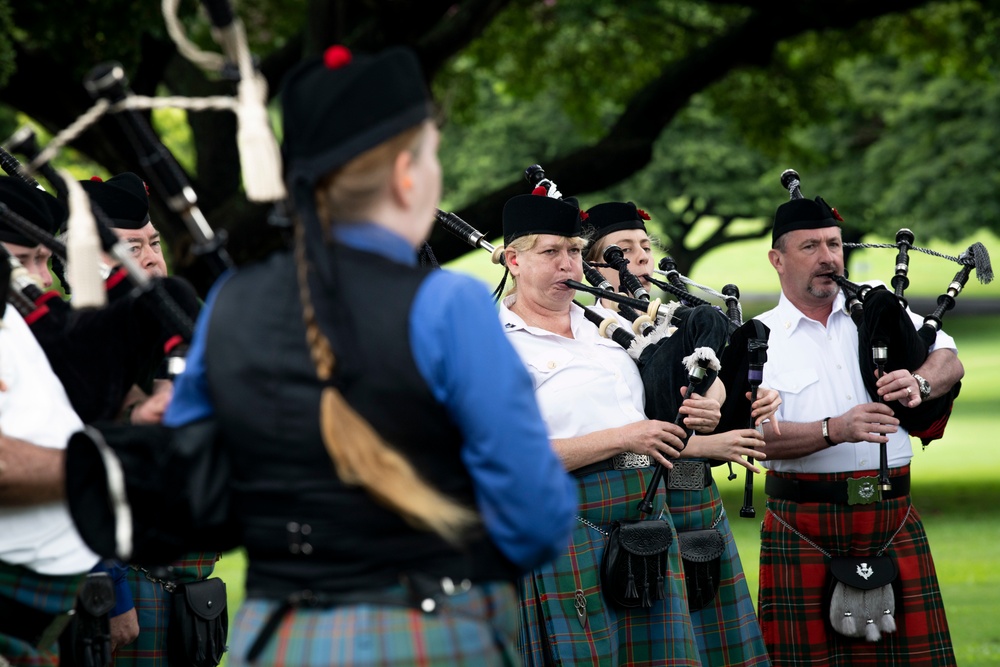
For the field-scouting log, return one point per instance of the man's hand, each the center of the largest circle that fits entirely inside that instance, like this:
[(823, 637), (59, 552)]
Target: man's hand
[(124, 629), (868, 422)]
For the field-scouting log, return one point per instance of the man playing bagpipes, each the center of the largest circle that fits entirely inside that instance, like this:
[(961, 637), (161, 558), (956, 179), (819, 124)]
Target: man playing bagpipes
[(846, 574), (124, 198)]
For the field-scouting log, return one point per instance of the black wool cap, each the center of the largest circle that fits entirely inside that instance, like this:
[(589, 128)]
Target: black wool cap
[(340, 105), (123, 198), (611, 217), (36, 206), (538, 214), (803, 214)]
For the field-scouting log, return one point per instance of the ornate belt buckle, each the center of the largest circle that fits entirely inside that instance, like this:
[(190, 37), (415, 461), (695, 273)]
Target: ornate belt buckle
[(686, 476), (629, 460), (863, 491)]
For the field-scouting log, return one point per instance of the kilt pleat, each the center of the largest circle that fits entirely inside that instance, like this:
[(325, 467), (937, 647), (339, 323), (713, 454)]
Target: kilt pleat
[(795, 584), (471, 629), (50, 594), (727, 631), (551, 633)]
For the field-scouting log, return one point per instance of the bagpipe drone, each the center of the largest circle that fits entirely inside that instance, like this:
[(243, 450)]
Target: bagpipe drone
[(675, 345), (148, 494)]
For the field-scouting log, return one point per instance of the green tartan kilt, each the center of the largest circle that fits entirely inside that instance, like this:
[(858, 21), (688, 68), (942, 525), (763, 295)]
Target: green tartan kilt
[(551, 632), (50, 594), (727, 630)]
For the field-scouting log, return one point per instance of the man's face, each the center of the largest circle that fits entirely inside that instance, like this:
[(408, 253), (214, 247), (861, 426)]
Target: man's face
[(145, 247), (804, 259), (35, 259)]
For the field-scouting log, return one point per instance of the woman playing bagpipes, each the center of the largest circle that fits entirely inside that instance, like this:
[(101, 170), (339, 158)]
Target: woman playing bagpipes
[(846, 573), (386, 512), (722, 612), (577, 609)]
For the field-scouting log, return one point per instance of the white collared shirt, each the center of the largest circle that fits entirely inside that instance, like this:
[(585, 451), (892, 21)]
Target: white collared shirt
[(583, 384), (35, 408), (816, 370)]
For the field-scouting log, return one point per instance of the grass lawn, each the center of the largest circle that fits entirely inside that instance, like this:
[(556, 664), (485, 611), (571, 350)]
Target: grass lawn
[(956, 480)]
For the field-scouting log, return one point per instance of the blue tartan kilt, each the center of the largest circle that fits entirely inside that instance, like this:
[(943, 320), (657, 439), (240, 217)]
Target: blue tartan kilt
[(551, 631), (470, 629), (152, 608), (727, 631)]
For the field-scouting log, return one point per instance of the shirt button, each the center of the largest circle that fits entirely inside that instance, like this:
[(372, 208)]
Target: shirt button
[(552, 364), (849, 397), (838, 367)]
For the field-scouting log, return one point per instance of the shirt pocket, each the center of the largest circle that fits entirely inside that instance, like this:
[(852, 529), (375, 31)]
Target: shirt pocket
[(792, 382), (547, 365)]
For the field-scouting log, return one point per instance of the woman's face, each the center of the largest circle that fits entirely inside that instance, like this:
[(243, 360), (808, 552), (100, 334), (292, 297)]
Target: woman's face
[(426, 173), (541, 272), (638, 251)]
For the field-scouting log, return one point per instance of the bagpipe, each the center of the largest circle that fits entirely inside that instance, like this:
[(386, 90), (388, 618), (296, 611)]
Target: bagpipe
[(888, 338), (107, 337), (148, 494), (675, 346)]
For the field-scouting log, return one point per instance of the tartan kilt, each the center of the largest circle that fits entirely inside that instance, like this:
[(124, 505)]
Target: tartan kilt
[(795, 584), (550, 632), (152, 608), (727, 630), (50, 594), (470, 629)]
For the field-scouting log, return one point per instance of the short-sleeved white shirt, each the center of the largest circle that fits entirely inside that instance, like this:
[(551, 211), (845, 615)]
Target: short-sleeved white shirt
[(816, 370), (583, 384), (35, 408)]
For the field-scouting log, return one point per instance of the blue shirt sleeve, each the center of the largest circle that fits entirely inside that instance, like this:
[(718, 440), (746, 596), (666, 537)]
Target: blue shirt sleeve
[(191, 401), (123, 592), (524, 494)]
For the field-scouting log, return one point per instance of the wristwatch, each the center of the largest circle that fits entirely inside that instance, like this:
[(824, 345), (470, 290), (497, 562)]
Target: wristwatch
[(925, 387)]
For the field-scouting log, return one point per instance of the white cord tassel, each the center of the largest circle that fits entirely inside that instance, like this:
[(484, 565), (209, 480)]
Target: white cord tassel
[(83, 249), (260, 156)]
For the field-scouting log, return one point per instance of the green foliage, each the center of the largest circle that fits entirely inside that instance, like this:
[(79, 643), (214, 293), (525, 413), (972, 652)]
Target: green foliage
[(6, 41)]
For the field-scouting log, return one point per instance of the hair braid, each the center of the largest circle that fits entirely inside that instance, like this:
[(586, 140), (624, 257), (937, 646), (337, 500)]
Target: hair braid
[(360, 456)]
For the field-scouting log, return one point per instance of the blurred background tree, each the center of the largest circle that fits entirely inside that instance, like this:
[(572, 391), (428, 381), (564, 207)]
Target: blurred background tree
[(887, 108)]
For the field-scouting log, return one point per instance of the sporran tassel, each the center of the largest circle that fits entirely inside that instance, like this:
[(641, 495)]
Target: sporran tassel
[(630, 590)]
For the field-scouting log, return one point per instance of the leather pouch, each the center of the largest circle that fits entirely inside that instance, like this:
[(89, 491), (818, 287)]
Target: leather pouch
[(701, 551), (635, 562)]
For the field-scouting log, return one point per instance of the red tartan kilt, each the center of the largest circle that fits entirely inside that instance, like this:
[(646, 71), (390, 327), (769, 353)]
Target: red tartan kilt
[(795, 583)]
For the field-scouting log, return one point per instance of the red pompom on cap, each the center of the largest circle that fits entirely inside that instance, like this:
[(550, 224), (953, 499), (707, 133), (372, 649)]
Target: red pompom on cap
[(642, 214), (584, 215), (336, 57), (540, 190), (836, 214), (97, 179)]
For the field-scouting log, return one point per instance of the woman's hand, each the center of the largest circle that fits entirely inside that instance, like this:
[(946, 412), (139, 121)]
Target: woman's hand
[(732, 446), (765, 407), (654, 438), (701, 414)]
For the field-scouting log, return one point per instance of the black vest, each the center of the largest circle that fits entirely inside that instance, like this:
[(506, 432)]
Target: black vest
[(303, 528)]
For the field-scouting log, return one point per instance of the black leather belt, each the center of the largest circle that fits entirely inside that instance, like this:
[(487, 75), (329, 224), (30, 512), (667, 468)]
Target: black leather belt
[(686, 475), (840, 493)]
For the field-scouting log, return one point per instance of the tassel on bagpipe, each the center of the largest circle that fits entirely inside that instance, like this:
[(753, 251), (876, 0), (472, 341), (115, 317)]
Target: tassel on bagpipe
[(702, 366), (108, 81)]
